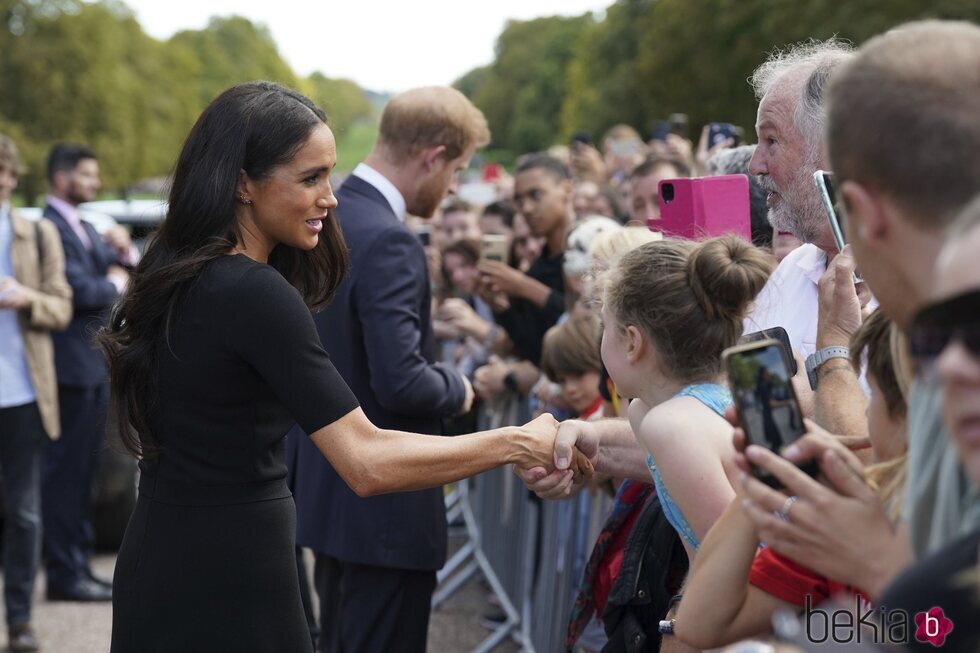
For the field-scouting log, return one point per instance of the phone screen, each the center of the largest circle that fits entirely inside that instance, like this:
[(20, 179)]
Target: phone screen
[(767, 406)]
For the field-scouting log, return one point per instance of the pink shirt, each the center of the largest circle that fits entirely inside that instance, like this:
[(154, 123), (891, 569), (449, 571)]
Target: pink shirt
[(73, 217)]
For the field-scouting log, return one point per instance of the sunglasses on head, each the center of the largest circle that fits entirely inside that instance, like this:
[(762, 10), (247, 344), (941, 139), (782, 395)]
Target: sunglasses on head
[(937, 325)]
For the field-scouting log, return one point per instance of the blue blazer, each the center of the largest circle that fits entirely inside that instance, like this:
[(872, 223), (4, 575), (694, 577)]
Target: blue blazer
[(78, 362), (378, 331)]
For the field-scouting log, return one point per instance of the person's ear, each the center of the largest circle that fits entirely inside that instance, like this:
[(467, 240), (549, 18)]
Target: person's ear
[(866, 217), (635, 344), (59, 179), (431, 156), (568, 188), (243, 193)]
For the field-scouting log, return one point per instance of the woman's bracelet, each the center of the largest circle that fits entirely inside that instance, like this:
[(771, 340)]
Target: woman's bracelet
[(667, 625)]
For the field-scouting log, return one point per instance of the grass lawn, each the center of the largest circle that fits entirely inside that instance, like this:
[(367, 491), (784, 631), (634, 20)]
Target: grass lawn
[(355, 144)]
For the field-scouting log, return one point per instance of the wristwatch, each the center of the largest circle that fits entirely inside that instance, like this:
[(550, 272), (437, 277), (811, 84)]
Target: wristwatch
[(821, 356)]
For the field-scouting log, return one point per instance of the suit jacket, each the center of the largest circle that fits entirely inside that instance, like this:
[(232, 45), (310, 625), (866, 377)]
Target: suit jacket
[(378, 331), (50, 308), (78, 361)]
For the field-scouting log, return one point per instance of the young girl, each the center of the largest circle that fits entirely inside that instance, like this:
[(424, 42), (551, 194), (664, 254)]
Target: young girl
[(670, 309), (734, 588)]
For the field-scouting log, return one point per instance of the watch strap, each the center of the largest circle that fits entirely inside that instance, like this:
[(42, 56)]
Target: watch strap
[(821, 356)]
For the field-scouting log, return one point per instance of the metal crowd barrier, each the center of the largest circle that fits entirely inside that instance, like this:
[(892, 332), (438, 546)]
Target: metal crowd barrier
[(531, 552)]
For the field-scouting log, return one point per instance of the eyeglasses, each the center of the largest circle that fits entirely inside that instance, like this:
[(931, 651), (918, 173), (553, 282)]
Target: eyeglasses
[(937, 325)]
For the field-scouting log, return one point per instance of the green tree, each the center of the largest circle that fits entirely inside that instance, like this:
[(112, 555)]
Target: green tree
[(232, 50), (603, 86), (86, 72), (521, 94), (343, 100)]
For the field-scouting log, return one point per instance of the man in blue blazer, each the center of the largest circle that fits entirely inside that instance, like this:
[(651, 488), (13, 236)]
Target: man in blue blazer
[(94, 268), (376, 558)]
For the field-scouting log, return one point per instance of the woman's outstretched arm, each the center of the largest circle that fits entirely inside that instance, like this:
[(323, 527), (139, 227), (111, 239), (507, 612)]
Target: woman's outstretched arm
[(377, 461)]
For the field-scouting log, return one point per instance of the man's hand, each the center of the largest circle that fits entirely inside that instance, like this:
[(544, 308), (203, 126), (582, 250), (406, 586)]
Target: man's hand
[(459, 314), (14, 295), (502, 278), (704, 153), (561, 482), (498, 301), (118, 276), (840, 306), (119, 240), (587, 163), (488, 381)]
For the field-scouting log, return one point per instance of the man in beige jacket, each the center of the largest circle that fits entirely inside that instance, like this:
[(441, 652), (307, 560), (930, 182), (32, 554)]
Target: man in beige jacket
[(35, 299)]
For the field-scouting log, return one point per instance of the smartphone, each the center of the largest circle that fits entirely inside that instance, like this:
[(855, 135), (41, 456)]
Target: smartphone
[(424, 234), (700, 207), (825, 184), (762, 387), (678, 124), (719, 132), (660, 130), (775, 333), (493, 247), (828, 193)]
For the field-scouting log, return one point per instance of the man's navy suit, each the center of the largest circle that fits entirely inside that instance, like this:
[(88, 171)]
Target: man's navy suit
[(377, 557), (70, 461)]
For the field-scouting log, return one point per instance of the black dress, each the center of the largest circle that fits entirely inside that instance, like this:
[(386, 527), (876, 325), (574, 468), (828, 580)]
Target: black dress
[(208, 562)]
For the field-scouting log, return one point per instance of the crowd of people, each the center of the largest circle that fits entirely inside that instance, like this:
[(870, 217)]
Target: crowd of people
[(560, 295)]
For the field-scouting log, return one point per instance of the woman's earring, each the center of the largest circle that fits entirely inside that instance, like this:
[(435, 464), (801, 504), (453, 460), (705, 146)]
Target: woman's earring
[(244, 200)]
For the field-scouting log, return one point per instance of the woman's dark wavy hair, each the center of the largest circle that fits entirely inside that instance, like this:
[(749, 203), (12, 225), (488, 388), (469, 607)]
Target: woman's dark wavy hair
[(253, 127)]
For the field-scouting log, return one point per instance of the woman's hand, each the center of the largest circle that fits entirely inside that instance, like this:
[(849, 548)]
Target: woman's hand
[(840, 529), (536, 443)]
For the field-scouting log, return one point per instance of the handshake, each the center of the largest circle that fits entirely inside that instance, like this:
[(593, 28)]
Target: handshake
[(563, 457)]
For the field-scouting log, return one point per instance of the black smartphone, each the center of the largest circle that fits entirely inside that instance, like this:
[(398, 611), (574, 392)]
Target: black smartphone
[(828, 193), (775, 333), (719, 132), (659, 131), (762, 387), (424, 234)]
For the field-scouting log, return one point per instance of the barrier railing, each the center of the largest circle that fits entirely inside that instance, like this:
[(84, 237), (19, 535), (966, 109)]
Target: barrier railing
[(531, 552)]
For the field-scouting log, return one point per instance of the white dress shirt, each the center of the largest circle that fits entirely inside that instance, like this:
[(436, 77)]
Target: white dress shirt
[(383, 186), (791, 299)]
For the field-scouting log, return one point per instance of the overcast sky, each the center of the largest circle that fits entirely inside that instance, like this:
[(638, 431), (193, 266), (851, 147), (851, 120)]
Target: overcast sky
[(383, 45)]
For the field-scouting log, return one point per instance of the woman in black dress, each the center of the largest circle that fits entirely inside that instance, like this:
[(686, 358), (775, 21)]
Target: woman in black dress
[(213, 355)]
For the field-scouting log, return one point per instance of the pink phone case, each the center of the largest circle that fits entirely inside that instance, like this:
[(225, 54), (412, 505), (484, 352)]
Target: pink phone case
[(703, 207)]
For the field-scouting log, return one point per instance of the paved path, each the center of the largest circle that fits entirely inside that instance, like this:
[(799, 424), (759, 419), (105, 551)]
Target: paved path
[(65, 627)]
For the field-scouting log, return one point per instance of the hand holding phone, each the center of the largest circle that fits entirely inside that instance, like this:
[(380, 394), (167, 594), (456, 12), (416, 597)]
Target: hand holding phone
[(493, 247), (766, 403)]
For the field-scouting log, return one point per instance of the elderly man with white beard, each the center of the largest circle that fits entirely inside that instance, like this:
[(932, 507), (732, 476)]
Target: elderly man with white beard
[(808, 293)]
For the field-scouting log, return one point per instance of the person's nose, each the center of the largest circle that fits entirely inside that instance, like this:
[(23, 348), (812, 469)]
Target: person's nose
[(956, 365), (328, 201), (758, 164)]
